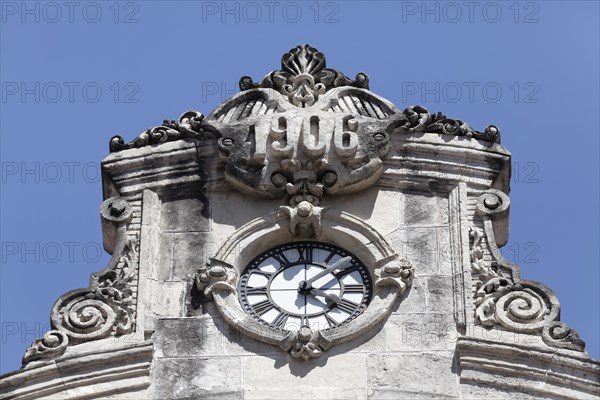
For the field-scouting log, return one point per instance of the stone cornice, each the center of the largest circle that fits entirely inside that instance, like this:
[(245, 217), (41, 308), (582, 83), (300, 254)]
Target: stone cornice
[(430, 161), (102, 367), (183, 165), (422, 161), (539, 370)]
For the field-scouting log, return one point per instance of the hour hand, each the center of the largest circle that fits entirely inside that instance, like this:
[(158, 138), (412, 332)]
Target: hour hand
[(332, 298)]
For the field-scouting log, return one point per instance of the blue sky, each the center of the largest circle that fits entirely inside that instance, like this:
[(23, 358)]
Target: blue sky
[(74, 75)]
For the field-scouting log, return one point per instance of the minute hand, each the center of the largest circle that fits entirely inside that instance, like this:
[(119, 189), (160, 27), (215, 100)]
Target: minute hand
[(340, 264)]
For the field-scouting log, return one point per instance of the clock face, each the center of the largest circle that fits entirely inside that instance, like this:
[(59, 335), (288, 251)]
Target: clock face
[(305, 283)]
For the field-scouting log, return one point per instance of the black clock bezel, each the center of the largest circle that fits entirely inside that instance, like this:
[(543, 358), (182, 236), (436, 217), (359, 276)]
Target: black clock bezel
[(275, 251)]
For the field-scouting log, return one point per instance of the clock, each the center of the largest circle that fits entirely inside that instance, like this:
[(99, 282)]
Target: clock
[(305, 296), (298, 284)]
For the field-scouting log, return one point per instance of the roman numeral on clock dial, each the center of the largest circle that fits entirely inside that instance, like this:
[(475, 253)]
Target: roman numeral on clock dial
[(256, 290), (281, 319), (329, 257), (353, 288), (306, 255), (267, 275), (262, 307), (332, 322), (347, 306), (281, 259)]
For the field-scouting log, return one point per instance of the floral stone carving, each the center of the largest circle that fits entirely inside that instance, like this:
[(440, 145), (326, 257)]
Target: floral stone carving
[(303, 77), (188, 126), (305, 343)]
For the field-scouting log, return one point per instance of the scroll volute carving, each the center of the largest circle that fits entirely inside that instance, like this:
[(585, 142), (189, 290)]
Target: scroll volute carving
[(107, 307), (501, 297)]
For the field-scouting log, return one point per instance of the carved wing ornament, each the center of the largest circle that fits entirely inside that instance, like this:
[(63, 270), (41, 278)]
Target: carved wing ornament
[(272, 147)]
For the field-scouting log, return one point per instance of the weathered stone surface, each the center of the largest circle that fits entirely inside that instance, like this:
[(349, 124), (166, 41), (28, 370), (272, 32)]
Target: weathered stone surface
[(367, 204), (186, 215), (174, 337), (170, 299), (428, 294), (340, 377), (423, 209), (374, 342), (197, 378), (420, 375), (421, 332), (237, 343), (440, 294), (137, 395), (190, 251), (164, 260), (479, 391), (444, 252), (415, 298), (420, 245), (232, 209)]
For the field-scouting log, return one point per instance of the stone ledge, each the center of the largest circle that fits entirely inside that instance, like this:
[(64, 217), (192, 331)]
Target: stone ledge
[(173, 167), (539, 372), (87, 371)]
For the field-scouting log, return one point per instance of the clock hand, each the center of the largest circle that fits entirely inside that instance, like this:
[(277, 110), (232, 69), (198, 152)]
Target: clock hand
[(340, 264), (329, 297)]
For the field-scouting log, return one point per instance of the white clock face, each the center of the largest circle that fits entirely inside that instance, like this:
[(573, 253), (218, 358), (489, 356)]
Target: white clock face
[(305, 283)]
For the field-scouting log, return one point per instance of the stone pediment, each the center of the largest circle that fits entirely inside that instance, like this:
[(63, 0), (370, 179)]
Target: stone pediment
[(304, 130), (306, 172)]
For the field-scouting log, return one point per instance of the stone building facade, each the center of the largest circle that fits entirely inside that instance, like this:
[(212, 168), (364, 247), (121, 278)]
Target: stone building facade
[(307, 239)]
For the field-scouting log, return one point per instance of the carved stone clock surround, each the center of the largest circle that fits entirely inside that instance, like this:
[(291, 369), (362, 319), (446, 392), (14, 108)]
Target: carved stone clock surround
[(218, 280)]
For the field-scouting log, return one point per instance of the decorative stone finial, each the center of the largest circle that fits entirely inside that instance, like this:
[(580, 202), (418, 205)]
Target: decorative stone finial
[(303, 77)]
